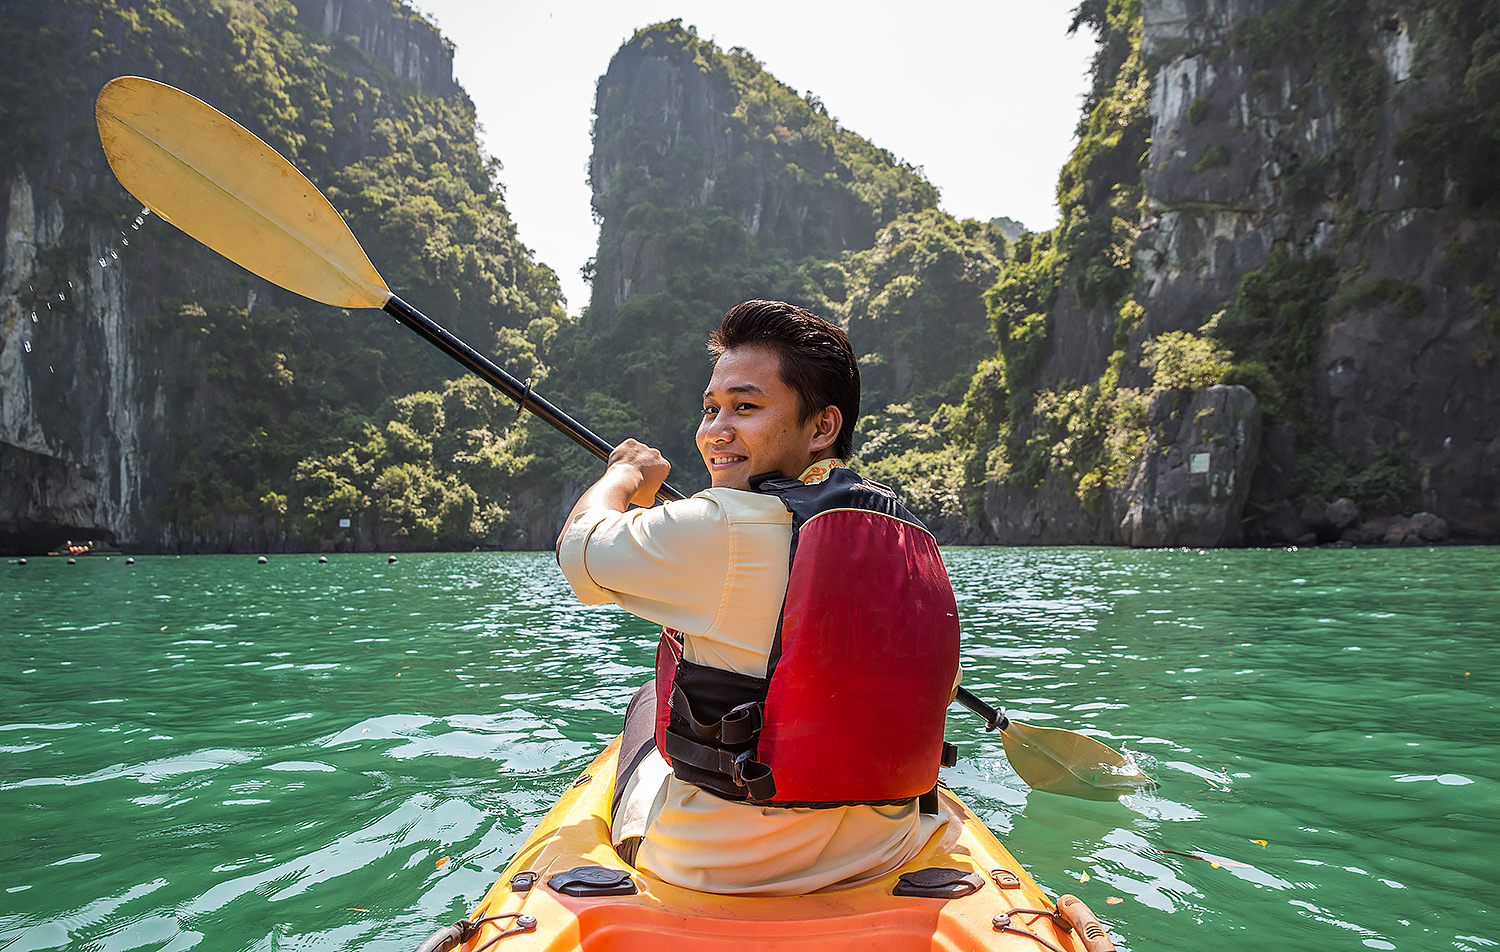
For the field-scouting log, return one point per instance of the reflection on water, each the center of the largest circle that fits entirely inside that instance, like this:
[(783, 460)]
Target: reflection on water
[(210, 753)]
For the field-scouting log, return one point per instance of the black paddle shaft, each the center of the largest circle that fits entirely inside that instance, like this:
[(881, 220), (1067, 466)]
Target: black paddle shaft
[(992, 718), (491, 373)]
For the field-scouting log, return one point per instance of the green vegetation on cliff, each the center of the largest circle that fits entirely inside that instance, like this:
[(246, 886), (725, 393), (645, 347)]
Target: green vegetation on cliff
[(1016, 425), (914, 308), (430, 473)]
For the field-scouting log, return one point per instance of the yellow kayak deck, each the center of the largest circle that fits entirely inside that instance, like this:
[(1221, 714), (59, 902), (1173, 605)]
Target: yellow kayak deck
[(523, 912)]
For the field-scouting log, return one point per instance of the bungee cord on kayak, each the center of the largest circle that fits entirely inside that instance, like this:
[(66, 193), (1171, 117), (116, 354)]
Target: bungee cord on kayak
[(451, 937)]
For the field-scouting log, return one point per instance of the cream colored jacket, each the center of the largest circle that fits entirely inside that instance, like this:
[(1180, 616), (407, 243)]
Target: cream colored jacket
[(715, 568)]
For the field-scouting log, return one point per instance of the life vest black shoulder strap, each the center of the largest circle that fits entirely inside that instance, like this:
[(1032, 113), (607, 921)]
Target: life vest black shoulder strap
[(843, 489)]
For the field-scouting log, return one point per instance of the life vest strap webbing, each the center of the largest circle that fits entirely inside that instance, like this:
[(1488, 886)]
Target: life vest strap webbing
[(741, 768), (741, 725)]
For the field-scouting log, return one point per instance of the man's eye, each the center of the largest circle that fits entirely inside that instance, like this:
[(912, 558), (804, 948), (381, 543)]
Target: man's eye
[(710, 411), (744, 406)]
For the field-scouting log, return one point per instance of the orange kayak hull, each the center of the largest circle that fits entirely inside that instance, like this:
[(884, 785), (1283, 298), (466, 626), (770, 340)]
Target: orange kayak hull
[(661, 916)]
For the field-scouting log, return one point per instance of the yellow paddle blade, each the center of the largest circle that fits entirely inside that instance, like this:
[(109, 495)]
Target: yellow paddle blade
[(214, 179), (1070, 763)]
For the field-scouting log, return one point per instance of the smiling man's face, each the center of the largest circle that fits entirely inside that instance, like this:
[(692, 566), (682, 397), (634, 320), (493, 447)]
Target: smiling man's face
[(752, 421)]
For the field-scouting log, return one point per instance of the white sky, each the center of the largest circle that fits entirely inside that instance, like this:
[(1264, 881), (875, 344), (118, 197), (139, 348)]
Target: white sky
[(984, 95)]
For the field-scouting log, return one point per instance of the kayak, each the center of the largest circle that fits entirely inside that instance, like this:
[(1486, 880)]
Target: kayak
[(568, 889)]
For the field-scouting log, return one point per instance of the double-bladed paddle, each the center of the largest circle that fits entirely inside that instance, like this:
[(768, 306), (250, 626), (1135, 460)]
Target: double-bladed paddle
[(214, 179)]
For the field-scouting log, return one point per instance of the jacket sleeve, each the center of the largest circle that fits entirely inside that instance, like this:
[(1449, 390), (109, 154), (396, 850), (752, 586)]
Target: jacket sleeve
[(666, 564)]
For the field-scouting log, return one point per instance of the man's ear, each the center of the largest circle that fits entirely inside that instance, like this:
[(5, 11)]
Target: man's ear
[(829, 422)]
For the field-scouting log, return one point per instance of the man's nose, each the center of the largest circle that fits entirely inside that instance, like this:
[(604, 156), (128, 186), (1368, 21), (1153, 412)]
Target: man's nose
[(718, 429)]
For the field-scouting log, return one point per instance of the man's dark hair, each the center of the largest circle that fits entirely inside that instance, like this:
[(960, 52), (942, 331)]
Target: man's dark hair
[(817, 360)]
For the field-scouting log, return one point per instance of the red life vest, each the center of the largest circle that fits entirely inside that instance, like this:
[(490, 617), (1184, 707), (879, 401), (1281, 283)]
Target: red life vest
[(860, 672)]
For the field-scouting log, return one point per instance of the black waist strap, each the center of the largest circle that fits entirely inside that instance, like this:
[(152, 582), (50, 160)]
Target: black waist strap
[(741, 768)]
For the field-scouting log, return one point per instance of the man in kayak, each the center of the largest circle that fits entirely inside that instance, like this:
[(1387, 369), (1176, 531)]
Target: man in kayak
[(810, 642)]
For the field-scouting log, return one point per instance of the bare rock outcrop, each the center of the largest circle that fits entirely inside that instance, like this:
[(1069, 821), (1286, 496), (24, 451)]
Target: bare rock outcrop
[(1192, 478)]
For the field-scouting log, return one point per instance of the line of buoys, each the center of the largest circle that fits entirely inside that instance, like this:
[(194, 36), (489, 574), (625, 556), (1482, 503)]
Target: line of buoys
[(261, 560)]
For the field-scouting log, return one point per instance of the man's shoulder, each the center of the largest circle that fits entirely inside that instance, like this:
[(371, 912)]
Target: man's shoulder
[(741, 506)]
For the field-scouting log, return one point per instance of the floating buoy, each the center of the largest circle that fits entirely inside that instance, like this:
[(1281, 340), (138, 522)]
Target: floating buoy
[(261, 560), (390, 560), (322, 559), (20, 561), (130, 561), (72, 561)]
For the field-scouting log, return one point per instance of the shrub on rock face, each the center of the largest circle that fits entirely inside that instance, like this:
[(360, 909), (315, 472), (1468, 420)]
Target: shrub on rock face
[(1180, 360), (1385, 486)]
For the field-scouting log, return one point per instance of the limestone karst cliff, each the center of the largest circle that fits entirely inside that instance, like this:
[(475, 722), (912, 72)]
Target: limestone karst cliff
[(1259, 180), (715, 183), (151, 394)]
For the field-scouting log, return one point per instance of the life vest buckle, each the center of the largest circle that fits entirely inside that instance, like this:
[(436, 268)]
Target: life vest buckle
[(754, 776)]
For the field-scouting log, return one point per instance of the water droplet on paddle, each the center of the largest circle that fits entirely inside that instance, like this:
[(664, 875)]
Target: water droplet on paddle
[(61, 296), (33, 317), (114, 254), (103, 263), (26, 344), (125, 241)]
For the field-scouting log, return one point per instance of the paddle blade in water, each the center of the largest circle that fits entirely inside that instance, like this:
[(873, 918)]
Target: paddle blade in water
[(1069, 763), (214, 179)]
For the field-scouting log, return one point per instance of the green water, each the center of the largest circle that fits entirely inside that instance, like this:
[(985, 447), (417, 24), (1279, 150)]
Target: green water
[(209, 753)]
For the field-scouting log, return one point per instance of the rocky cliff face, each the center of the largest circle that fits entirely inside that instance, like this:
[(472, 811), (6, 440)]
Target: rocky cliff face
[(1411, 371), (1275, 136), (93, 365), (673, 123), (714, 183), (1193, 476), (392, 34), (77, 407)]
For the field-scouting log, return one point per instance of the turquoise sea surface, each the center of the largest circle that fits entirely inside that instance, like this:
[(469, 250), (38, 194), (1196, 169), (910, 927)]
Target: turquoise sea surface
[(209, 753)]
